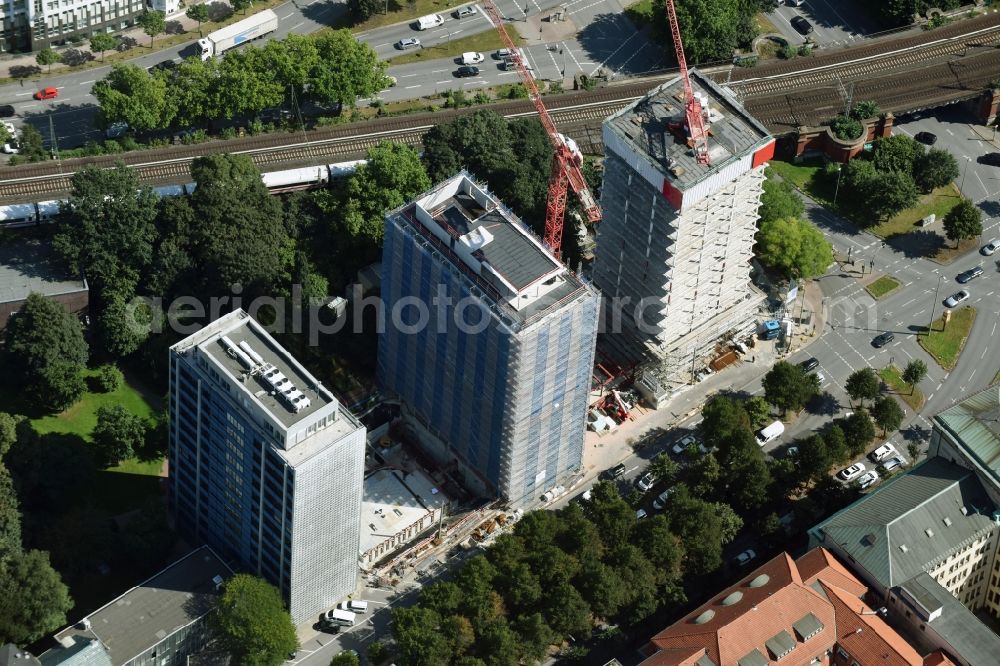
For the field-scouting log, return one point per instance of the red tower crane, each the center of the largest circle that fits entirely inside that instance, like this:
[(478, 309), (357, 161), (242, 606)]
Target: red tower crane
[(695, 122), (565, 163)]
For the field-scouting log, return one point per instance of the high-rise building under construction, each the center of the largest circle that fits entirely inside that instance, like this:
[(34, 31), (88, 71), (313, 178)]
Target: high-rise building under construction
[(488, 341), (674, 247)]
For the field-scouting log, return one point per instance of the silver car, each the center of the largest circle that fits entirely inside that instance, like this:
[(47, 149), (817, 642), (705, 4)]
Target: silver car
[(955, 299), (991, 247), (868, 480)]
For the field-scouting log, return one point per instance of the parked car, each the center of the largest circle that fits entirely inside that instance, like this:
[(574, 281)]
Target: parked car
[(165, 65), (893, 463), (472, 58), (809, 364), (615, 472), (791, 451), (646, 482), (956, 298), (882, 339), (6, 111), (868, 480), (462, 12), (12, 147), (801, 25), (466, 71), (991, 247), (661, 500), (928, 138), (971, 274), (407, 43), (48, 92), (795, 3), (852, 472), (989, 159), (550, 495), (882, 452), (503, 53), (686, 442), (745, 557), (640, 514)]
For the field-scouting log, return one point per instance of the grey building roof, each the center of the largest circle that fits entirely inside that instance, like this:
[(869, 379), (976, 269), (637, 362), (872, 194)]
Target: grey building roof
[(974, 425), (28, 266), (754, 658), (145, 615), (11, 655), (77, 650), (959, 626), (910, 523), (644, 126)]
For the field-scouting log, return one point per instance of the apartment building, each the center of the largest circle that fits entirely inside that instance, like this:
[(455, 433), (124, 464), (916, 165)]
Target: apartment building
[(266, 465), (34, 24), (674, 247), (488, 341)]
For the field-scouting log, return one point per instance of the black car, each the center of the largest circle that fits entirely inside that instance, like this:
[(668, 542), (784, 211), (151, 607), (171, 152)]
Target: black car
[(809, 364), (803, 26), (883, 339), (969, 275), (991, 159), (466, 70), (615, 472), (928, 138), (6, 111), (165, 65)]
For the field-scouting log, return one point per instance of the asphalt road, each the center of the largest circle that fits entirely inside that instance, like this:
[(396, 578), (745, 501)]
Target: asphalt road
[(834, 22)]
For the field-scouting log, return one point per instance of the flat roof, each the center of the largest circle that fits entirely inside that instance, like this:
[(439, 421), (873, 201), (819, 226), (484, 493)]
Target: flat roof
[(646, 127), (30, 265), (151, 611), (974, 424), (393, 501), (492, 247)]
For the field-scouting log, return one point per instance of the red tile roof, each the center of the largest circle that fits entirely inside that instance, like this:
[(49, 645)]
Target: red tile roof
[(938, 659), (771, 600)]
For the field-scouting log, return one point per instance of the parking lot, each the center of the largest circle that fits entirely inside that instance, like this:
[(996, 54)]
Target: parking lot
[(834, 23)]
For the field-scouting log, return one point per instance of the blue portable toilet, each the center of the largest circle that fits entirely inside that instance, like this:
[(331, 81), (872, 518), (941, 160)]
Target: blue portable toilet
[(772, 328)]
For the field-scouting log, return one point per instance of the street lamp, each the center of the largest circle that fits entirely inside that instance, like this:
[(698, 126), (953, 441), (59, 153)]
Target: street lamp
[(871, 266), (968, 160), (836, 190), (934, 304)]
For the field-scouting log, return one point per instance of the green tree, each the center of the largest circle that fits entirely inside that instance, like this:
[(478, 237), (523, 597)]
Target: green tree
[(198, 13), (346, 658), (8, 431), (887, 413), (244, 85), (963, 221), (102, 42), (48, 57), (896, 192), (47, 352), (10, 515), (33, 598), (241, 5), (789, 387), (347, 69), (780, 200), (665, 469), (722, 419), (239, 237), (747, 475), (836, 444), (566, 611), (292, 60), (703, 476), (460, 633), (935, 168), (914, 373), (898, 152), (32, 145), (193, 91), (418, 637), (392, 176), (118, 434), (712, 29), (535, 636), (153, 23), (859, 431), (700, 527), (795, 247), (865, 110), (378, 652), (863, 385), (847, 128), (758, 410), (813, 459), (131, 95), (252, 622), (364, 9)]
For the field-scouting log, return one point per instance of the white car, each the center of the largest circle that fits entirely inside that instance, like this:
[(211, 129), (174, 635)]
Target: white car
[(407, 43), (646, 482), (955, 299), (991, 247), (868, 480), (852, 472), (745, 557), (882, 452), (12, 147), (640, 514), (472, 58), (683, 445)]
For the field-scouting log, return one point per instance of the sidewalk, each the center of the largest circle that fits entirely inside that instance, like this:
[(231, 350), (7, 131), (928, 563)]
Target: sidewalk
[(26, 61), (604, 450)]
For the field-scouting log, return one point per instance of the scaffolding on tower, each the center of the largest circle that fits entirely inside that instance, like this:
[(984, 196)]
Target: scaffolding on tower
[(693, 110), (566, 161)]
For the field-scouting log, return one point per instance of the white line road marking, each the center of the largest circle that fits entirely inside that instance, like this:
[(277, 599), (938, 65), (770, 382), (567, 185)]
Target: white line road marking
[(929, 397), (973, 373), (984, 353), (83, 83), (437, 71), (286, 15), (940, 384), (22, 94), (410, 87), (437, 83), (297, 25), (377, 46), (949, 131)]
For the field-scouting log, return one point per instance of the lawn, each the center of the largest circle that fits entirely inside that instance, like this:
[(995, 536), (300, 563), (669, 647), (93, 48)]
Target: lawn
[(484, 42), (945, 343), (893, 378), (938, 202), (81, 418), (764, 25), (641, 13), (882, 286)]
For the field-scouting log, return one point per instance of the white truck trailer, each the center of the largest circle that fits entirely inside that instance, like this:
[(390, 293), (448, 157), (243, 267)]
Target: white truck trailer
[(249, 29)]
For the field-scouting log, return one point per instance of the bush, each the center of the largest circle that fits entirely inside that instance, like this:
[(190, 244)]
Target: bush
[(787, 52), (847, 129), (109, 378), (805, 50)]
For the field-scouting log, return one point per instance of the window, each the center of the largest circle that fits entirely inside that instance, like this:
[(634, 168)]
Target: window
[(842, 654)]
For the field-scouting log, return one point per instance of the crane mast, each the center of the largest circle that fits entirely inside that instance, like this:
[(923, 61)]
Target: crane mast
[(695, 122), (565, 163)]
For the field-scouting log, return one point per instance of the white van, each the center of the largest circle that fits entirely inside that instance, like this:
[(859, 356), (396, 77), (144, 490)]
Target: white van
[(770, 433), (357, 606), (429, 21), (339, 617), (472, 58)]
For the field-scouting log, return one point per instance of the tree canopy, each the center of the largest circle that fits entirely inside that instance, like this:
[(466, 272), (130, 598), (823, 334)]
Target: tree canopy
[(253, 623), (780, 200), (898, 152), (130, 94), (863, 385), (118, 434), (935, 168), (789, 387), (964, 221), (887, 413), (47, 351), (914, 372), (793, 246), (33, 599)]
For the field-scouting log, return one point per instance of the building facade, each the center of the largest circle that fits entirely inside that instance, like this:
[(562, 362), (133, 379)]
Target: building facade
[(160, 622), (266, 465), (34, 24), (674, 246), (488, 341)]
